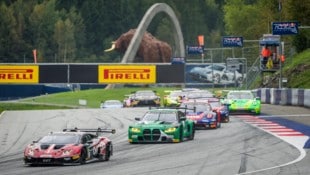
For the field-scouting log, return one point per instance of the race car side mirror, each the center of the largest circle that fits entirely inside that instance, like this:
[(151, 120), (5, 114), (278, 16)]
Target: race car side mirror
[(137, 119)]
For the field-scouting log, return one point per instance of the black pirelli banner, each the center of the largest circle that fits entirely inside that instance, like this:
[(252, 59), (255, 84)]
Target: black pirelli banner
[(92, 73), (170, 73), (83, 74), (53, 73)]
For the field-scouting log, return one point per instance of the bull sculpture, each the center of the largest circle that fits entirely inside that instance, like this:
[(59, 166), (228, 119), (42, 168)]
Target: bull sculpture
[(151, 50)]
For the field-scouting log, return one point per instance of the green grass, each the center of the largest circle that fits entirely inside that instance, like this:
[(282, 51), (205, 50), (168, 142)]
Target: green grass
[(70, 100), (298, 72), (22, 106), (93, 96)]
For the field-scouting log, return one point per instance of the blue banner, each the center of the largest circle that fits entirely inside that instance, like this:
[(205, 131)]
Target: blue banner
[(194, 50), (285, 28), (230, 41)]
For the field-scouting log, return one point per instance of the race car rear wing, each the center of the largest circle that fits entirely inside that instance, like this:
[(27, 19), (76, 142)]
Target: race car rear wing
[(98, 130)]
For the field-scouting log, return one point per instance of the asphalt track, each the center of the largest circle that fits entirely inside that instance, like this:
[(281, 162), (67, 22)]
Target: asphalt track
[(246, 145)]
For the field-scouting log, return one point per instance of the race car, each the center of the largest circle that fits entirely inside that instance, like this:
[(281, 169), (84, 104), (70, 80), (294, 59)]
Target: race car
[(202, 115), (161, 125), (69, 147), (174, 98), (243, 101), (142, 98), (220, 108)]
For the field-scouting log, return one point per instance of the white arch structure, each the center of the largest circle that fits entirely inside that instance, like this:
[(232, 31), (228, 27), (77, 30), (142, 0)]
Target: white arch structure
[(146, 20)]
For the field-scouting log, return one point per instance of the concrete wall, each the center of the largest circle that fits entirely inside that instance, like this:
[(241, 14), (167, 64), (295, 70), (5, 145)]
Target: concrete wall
[(284, 96)]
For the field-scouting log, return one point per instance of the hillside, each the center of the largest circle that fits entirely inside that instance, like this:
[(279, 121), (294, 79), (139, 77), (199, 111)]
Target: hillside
[(296, 70)]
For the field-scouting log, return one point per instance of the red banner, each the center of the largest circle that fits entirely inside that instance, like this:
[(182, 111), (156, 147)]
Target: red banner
[(34, 55), (201, 40)]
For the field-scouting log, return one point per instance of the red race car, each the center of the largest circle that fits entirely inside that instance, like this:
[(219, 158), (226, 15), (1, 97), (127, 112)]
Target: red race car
[(71, 146)]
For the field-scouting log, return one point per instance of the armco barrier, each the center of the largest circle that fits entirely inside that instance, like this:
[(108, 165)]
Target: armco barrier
[(284, 96)]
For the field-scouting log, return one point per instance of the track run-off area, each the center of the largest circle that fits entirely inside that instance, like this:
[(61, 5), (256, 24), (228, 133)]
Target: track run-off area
[(275, 142)]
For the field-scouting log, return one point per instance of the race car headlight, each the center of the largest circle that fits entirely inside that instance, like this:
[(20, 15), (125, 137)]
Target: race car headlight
[(170, 130), (255, 102), (66, 152), (30, 152), (136, 130)]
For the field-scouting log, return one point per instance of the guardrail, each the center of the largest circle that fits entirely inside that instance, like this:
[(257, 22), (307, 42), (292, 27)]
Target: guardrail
[(284, 96)]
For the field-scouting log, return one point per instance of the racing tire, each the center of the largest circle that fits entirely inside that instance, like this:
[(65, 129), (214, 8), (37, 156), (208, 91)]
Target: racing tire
[(226, 120), (181, 135), (218, 125), (109, 152), (192, 136), (83, 155)]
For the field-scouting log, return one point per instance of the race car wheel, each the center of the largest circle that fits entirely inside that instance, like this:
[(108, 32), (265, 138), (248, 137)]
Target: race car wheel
[(108, 153), (218, 124), (217, 78), (181, 135), (239, 81), (226, 120), (83, 156), (191, 137)]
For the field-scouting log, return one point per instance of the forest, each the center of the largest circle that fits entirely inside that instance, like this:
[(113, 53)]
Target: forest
[(78, 31)]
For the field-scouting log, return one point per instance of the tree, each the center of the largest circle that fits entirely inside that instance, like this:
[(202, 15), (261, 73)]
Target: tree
[(42, 23), (244, 19), (8, 34)]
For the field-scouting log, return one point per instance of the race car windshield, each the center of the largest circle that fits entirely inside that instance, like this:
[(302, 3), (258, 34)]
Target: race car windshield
[(238, 95), (60, 139), (165, 117)]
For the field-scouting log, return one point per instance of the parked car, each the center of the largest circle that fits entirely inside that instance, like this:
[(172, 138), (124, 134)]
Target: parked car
[(71, 146), (161, 125)]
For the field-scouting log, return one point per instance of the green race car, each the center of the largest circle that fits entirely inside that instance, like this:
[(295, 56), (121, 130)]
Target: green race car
[(161, 125), (243, 101)]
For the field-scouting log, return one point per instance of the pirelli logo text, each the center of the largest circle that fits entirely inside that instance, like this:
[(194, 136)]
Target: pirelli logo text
[(19, 74), (127, 74)]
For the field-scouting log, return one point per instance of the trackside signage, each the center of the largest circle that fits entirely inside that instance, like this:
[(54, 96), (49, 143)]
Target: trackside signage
[(19, 74), (232, 41), (285, 28), (127, 74)]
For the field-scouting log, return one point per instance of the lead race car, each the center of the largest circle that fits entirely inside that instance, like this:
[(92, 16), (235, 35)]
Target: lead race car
[(71, 146), (243, 101), (161, 125)]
